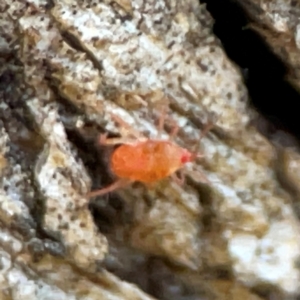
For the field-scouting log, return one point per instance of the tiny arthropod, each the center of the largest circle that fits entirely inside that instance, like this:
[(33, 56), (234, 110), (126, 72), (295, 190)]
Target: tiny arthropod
[(146, 160)]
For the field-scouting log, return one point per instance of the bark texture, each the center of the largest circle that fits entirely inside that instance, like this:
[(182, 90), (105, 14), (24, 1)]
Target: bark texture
[(67, 67)]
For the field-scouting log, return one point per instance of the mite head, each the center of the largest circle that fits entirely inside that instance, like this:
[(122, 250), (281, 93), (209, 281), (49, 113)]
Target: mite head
[(187, 156)]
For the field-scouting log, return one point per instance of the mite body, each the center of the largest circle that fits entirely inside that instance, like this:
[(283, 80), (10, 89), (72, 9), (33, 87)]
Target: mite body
[(146, 160), (149, 161)]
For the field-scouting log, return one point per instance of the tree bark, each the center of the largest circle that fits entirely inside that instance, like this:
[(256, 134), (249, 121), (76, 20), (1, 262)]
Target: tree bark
[(68, 68)]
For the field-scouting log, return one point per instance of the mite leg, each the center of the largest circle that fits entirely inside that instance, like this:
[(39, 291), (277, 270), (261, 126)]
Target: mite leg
[(174, 130), (126, 126), (179, 177), (204, 132), (161, 122), (114, 186)]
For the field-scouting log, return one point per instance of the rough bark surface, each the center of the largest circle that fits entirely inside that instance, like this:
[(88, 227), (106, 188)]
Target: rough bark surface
[(66, 68), (277, 21)]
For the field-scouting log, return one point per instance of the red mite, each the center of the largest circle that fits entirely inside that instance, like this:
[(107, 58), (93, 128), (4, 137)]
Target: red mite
[(146, 161)]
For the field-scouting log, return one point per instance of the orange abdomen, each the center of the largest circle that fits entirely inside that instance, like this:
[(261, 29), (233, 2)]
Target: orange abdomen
[(147, 161)]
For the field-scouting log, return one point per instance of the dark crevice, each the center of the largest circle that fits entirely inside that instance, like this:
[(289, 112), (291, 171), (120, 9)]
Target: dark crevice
[(107, 210), (264, 72)]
